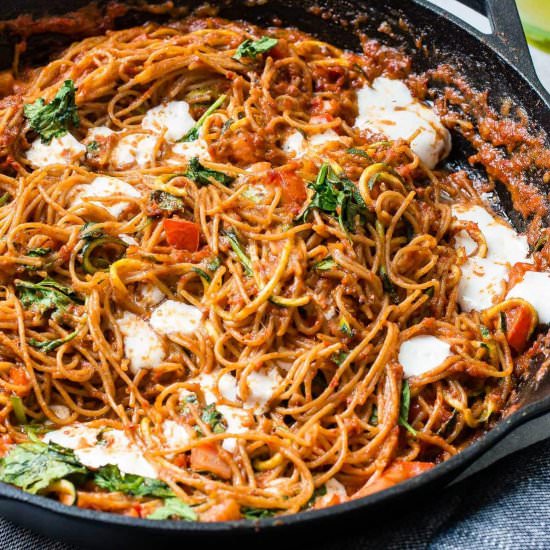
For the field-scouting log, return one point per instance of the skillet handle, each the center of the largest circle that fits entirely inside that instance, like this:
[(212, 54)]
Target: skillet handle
[(508, 38)]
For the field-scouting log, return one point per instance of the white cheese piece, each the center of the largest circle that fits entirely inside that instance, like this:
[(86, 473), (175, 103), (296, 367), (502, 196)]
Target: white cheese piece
[(149, 295), (134, 150), (61, 411), (99, 132), (106, 187), (61, 150), (421, 354), (172, 317), (295, 144), (176, 434), (481, 283), (388, 107), (236, 419), (142, 345), (262, 384), (96, 447), (503, 243), (317, 141), (128, 239), (172, 117), (186, 150), (336, 494), (535, 289), (227, 386)]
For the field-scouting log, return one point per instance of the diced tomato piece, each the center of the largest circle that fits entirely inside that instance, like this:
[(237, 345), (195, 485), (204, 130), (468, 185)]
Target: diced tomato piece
[(228, 510), (399, 471), (207, 458), (180, 461), (292, 185), (520, 322), (517, 272), (182, 234), (18, 377)]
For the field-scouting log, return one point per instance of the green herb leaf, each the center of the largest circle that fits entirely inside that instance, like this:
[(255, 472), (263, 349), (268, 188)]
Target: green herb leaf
[(252, 48), (238, 249), (33, 466), (4, 199), (39, 252), (387, 285), (203, 176), (345, 327), (47, 295), (405, 406), (339, 357), (337, 196), (318, 492), (53, 119), (112, 479), (359, 152), (213, 264), (485, 333), (257, 513), (202, 274), (166, 201), (174, 508), (325, 265), (18, 409), (92, 147), (193, 134), (214, 418), (50, 345)]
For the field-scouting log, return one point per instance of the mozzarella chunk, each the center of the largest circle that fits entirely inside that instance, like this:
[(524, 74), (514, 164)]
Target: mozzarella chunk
[(503, 243), (295, 143), (61, 411), (134, 150), (261, 384), (106, 187), (388, 107), (421, 354), (149, 295), (142, 345), (483, 279), (185, 151), (173, 118), (128, 239), (61, 150), (481, 283), (177, 435), (172, 317), (317, 141), (99, 132), (236, 420), (96, 447), (535, 289), (336, 494)]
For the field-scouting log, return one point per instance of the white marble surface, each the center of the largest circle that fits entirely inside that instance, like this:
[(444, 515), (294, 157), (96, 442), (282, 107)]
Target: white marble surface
[(541, 59)]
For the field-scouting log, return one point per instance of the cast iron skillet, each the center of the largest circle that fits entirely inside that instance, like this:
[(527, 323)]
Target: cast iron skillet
[(498, 62)]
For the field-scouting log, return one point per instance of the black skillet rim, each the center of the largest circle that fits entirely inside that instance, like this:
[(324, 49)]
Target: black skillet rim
[(454, 465)]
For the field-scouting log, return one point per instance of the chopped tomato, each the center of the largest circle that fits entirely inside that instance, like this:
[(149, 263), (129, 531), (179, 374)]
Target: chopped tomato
[(6, 443), (18, 377), (292, 185), (520, 323), (182, 234), (399, 471), (517, 272), (207, 458), (180, 461), (228, 510)]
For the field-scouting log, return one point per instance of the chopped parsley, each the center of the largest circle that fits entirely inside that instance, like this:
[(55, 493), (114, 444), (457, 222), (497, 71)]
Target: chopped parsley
[(214, 418), (53, 119), (252, 48)]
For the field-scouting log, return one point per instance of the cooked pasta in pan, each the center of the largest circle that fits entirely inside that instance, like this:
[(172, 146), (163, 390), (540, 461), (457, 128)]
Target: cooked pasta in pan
[(236, 281)]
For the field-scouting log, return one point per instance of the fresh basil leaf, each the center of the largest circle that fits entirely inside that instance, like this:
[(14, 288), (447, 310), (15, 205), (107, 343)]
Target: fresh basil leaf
[(39, 252), (318, 492), (214, 418), (53, 119), (50, 345), (345, 327), (112, 479), (339, 357), (193, 134), (252, 48), (203, 176), (4, 199), (33, 466), (174, 508), (257, 513), (92, 147), (387, 285), (359, 152), (325, 265), (405, 406), (238, 249), (166, 201), (18, 409), (202, 274), (46, 295)]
